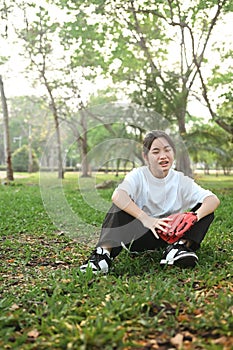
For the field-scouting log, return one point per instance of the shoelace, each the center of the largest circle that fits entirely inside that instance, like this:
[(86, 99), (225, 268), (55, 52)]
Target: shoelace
[(96, 258)]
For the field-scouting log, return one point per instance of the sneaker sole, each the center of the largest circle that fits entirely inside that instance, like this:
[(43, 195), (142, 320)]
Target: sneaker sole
[(91, 267), (185, 261)]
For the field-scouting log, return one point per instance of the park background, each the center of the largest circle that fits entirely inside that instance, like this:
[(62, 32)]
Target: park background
[(81, 83)]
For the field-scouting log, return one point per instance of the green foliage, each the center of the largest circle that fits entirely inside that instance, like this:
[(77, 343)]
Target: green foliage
[(3, 59), (30, 117), (145, 46), (46, 304), (20, 160), (39, 36), (210, 145), (140, 45)]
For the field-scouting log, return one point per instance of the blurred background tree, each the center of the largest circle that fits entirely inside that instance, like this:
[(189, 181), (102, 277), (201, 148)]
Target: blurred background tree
[(157, 58)]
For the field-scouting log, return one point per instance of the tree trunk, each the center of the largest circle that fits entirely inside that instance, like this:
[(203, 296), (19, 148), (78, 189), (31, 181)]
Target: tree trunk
[(182, 156), (84, 148), (30, 159), (9, 170), (81, 140), (60, 166), (183, 162), (57, 129)]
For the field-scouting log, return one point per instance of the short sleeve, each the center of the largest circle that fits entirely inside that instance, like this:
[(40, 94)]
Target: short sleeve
[(192, 193), (131, 184)]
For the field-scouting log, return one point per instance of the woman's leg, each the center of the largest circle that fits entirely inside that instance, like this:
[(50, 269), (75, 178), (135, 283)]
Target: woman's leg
[(197, 233), (120, 227)]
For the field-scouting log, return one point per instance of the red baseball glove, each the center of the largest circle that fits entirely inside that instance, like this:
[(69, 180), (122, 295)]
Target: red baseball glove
[(180, 224)]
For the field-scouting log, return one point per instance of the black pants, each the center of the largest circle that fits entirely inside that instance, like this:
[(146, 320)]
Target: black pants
[(119, 227)]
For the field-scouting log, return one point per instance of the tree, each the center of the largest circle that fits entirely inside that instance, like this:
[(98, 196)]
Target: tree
[(4, 12), (24, 159), (222, 115), (9, 170), (158, 47), (73, 113), (38, 37), (31, 121), (211, 145), (77, 122)]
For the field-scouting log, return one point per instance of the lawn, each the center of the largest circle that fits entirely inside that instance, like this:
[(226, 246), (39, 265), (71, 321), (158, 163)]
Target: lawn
[(45, 303)]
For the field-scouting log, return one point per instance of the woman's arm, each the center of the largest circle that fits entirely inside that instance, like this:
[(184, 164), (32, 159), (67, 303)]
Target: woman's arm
[(122, 200), (208, 206)]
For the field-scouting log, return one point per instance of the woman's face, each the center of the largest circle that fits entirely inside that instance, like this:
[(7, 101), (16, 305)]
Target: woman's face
[(160, 157)]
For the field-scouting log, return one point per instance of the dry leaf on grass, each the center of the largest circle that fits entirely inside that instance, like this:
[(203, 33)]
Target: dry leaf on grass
[(33, 334), (177, 340)]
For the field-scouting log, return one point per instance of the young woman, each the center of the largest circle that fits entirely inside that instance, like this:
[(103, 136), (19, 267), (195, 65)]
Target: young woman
[(142, 203)]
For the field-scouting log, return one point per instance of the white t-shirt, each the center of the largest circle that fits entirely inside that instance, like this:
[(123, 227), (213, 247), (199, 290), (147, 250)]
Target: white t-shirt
[(160, 197)]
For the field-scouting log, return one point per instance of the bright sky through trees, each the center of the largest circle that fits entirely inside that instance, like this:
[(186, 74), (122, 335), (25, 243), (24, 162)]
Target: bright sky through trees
[(13, 72)]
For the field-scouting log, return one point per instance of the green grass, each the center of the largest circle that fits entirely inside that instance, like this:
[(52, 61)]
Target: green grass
[(46, 304)]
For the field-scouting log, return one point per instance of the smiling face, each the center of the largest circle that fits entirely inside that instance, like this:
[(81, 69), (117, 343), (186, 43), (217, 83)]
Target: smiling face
[(160, 157)]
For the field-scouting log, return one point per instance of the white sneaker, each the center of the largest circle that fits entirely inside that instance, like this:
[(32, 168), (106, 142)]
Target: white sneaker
[(178, 254), (99, 261)]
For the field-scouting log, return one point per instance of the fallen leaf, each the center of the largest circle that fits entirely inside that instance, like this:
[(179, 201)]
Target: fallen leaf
[(177, 340), (33, 334), (14, 307), (183, 317), (225, 341)]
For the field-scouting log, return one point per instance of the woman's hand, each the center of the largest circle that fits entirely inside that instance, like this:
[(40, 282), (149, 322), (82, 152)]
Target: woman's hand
[(153, 224), (122, 200)]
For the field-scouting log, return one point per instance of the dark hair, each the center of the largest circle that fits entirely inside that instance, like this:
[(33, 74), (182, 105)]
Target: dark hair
[(154, 134)]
